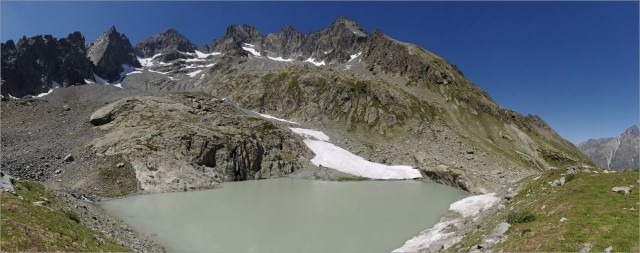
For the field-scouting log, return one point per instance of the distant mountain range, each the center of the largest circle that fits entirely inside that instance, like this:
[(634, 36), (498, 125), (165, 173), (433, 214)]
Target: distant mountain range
[(615, 153)]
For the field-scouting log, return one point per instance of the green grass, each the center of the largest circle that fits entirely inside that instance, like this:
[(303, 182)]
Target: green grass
[(27, 227), (594, 215), (520, 217)]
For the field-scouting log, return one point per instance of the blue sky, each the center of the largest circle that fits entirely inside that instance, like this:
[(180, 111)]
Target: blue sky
[(573, 63)]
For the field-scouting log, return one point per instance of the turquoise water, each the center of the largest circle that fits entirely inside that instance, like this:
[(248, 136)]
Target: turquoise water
[(289, 215)]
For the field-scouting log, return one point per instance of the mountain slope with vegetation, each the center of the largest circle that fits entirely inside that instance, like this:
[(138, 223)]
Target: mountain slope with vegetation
[(36, 220), (584, 214)]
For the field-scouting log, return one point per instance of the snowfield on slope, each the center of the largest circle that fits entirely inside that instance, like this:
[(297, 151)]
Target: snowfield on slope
[(332, 156)]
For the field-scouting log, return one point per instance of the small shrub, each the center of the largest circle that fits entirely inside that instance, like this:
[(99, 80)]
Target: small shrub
[(569, 177), (524, 231), (72, 216), (520, 217)]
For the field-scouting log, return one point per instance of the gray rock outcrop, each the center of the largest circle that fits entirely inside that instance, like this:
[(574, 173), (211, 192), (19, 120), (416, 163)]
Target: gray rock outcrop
[(109, 52), (6, 183), (184, 141)]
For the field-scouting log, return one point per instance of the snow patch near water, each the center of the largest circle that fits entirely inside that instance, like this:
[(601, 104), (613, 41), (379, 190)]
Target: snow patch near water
[(334, 157), (472, 206), (310, 133), (468, 208)]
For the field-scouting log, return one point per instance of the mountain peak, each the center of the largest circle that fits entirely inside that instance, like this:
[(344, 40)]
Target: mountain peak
[(287, 29), (171, 31), (237, 34), (166, 43), (633, 130), (344, 22), (111, 30), (109, 52)]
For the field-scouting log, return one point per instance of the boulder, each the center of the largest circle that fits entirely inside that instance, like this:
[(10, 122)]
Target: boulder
[(622, 189), (6, 184)]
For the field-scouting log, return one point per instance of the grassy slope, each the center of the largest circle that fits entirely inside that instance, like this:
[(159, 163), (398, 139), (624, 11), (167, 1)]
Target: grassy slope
[(595, 215), (27, 227)]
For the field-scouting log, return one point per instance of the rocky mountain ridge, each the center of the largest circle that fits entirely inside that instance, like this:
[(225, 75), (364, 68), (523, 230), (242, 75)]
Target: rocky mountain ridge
[(392, 102), (334, 44), (615, 153), (37, 64)]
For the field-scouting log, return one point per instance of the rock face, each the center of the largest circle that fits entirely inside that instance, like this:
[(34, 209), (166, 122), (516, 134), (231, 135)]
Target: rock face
[(188, 141), (615, 153), (37, 64), (396, 96), (110, 52), (384, 54), (169, 44), (235, 37), (334, 44)]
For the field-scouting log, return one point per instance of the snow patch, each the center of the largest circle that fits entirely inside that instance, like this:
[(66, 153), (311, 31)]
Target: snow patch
[(194, 73), (468, 207), (334, 157), (146, 62), (53, 85), (353, 56), (99, 80), (155, 71), (251, 49), (280, 59), (126, 70), (347, 67), (203, 55), (471, 206), (314, 62), (119, 85), (310, 133), (195, 60), (187, 53), (267, 116)]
